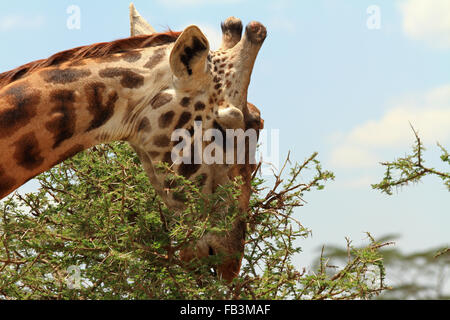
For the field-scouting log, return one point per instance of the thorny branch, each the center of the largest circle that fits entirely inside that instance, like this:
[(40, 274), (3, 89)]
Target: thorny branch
[(112, 222)]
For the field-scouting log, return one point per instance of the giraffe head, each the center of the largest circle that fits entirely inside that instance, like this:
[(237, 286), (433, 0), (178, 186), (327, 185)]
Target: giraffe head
[(231, 67), (141, 90), (221, 80)]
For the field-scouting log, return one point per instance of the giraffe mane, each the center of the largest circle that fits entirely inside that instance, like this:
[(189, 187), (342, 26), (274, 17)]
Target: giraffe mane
[(96, 50)]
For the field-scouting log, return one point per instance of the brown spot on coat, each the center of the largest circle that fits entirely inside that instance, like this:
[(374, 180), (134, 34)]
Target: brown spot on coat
[(185, 102), (23, 103), (129, 78), (144, 125), (166, 119), (184, 119), (27, 153), (160, 100), (101, 111), (63, 116), (155, 59), (158, 77), (64, 76), (131, 56), (162, 141)]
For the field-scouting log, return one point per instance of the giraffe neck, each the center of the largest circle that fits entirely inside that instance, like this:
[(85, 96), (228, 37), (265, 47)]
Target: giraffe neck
[(53, 113)]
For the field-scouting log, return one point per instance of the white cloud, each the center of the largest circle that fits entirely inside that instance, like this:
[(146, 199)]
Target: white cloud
[(429, 114), (393, 129), (14, 22), (356, 183), (427, 20), (348, 155)]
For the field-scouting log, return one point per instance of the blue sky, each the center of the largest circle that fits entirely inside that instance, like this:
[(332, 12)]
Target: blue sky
[(324, 79)]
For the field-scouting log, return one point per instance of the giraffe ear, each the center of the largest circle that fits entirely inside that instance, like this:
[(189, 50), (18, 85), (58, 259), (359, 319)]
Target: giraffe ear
[(189, 54)]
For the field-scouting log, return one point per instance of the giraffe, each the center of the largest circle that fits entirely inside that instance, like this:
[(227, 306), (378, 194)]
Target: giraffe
[(138, 89), (231, 35)]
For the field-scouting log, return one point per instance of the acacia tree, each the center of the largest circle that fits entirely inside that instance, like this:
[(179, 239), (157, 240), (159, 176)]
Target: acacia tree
[(96, 229), (418, 275), (411, 169)]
